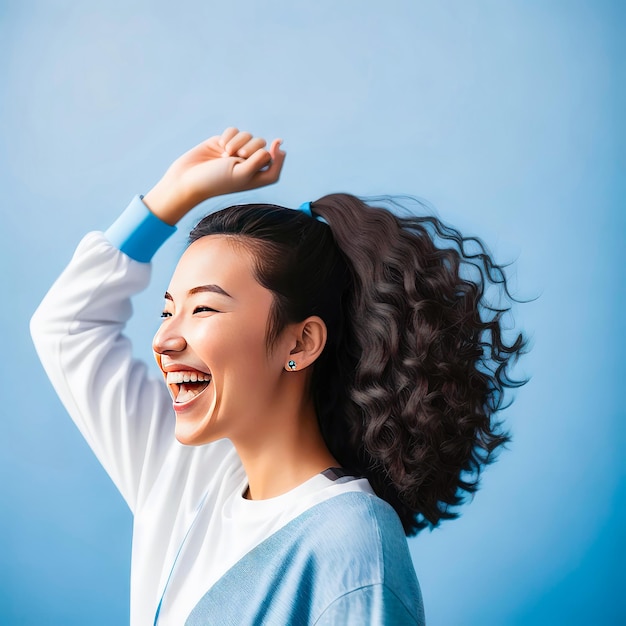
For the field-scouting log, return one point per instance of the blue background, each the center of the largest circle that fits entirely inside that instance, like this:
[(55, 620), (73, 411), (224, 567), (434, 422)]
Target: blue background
[(506, 116)]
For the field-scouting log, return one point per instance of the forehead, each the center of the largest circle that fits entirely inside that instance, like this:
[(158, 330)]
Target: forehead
[(216, 260)]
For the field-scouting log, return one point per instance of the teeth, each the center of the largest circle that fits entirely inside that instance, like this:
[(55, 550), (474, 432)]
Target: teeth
[(185, 393), (177, 378)]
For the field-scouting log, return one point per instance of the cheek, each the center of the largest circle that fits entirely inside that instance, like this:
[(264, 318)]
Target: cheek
[(247, 350), (250, 368), (238, 347)]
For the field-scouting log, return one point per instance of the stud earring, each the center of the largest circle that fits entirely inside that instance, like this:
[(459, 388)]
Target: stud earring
[(291, 365)]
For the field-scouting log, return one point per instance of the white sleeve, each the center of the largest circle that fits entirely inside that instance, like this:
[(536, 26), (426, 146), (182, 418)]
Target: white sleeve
[(124, 414)]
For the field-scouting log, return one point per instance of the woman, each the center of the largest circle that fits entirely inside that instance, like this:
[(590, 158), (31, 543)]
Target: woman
[(334, 375)]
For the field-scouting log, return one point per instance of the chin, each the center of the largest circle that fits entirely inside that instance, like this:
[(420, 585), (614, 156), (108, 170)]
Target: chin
[(188, 436), (191, 435), (196, 421), (187, 440)]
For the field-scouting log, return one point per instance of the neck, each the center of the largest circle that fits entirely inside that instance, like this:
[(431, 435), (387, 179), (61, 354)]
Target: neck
[(285, 454)]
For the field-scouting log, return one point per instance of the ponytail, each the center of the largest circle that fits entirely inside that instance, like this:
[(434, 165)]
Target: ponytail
[(423, 358)]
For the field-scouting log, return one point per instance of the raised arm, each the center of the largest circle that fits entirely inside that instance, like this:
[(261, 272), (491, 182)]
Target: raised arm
[(124, 414)]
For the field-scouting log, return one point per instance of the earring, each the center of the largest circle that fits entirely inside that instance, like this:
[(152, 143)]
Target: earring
[(291, 365)]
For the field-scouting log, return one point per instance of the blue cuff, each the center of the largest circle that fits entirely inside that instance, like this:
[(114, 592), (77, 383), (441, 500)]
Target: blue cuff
[(138, 232)]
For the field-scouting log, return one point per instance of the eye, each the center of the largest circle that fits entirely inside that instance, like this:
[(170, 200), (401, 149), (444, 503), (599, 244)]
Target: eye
[(166, 314), (204, 309)]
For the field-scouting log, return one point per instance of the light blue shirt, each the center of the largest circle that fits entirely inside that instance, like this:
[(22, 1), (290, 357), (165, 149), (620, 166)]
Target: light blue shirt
[(344, 562)]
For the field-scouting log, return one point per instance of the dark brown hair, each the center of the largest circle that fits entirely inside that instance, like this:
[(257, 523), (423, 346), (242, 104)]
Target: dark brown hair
[(416, 363)]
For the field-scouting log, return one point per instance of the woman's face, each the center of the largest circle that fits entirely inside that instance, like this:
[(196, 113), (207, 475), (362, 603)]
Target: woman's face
[(212, 344)]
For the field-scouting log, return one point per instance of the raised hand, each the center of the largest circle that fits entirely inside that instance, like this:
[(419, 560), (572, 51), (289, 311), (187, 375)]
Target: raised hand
[(226, 163)]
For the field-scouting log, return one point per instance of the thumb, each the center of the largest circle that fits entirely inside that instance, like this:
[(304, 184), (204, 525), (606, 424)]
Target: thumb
[(272, 173)]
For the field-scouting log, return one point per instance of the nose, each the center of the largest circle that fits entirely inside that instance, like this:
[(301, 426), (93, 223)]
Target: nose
[(168, 339)]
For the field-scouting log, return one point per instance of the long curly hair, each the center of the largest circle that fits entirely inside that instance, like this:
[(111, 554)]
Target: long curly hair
[(416, 363)]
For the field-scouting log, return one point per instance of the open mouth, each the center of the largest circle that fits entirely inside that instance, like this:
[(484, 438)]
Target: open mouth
[(185, 386)]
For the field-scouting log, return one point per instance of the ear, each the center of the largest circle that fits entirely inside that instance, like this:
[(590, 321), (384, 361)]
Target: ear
[(308, 339)]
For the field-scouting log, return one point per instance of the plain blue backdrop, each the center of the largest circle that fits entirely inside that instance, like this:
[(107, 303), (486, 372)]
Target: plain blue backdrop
[(507, 116)]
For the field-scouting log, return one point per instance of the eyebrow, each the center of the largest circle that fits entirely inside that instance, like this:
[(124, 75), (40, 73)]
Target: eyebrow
[(201, 289)]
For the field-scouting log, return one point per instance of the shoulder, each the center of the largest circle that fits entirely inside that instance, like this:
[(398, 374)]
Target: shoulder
[(363, 526), (357, 522), (361, 536)]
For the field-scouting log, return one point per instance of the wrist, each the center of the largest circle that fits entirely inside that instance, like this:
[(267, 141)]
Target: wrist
[(168, 203)]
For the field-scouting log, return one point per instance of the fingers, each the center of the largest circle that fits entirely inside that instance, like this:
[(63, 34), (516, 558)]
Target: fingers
[(255, 167), (251, 147), (258, 160), (236, 143), (258, 166), (240, 143), (227, 135)]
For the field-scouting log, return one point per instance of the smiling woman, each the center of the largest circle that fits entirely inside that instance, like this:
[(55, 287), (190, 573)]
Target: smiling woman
[(333, 375)]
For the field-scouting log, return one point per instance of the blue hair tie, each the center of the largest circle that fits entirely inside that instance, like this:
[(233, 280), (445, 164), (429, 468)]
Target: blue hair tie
[(305, 207)]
